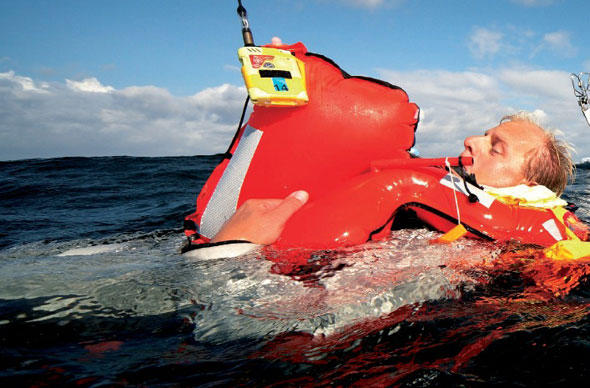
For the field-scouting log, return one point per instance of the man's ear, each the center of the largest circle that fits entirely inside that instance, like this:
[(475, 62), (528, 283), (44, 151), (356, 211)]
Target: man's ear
[(527, 181)]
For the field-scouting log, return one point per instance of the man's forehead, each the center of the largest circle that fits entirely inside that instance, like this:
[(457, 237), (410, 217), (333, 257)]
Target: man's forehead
[(518, 131)]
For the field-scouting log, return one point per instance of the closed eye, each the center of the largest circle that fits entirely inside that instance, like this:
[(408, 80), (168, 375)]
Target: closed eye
[(498, 145)]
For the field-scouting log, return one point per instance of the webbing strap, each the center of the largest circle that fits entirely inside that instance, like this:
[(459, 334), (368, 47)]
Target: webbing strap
[(560, 213)]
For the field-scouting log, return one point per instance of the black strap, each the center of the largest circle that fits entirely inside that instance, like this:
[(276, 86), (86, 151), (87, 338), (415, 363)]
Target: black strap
[(228, 153), (471, 178), (191, 247)]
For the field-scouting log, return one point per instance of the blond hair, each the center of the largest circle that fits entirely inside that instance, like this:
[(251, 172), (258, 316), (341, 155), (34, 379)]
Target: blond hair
[(550, 165)]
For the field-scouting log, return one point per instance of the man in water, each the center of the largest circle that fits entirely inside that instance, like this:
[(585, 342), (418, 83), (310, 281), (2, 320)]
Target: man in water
[(517, 151)]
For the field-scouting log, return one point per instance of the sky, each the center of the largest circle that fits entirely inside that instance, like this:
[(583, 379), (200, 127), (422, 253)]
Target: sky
[(162, 78)]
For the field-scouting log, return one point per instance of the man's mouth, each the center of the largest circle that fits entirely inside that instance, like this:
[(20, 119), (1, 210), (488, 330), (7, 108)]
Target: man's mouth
[(469, 167)]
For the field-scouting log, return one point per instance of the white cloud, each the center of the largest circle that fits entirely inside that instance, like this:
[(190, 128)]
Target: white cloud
[(454, 105), (90, 85), (557, 42), (511, 42), (89, 119), (459, 104), (547, 84), (26, 84), (485, 43), (148, 120)]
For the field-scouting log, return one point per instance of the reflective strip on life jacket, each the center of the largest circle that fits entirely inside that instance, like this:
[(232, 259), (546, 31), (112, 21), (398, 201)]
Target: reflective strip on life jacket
[(224, 200)]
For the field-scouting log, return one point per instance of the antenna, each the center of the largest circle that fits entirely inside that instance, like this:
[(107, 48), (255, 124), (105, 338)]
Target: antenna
[(246, 33)]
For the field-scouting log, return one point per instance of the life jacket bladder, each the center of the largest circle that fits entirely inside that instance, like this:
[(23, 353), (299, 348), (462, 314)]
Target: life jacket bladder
[(367, 205), (334, 148), (348, 122)]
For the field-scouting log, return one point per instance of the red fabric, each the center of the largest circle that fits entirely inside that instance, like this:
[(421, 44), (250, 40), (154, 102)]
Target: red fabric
[(347, 123)]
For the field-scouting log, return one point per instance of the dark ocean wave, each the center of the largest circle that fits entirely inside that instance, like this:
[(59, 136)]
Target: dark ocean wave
[(94, 292), (57, 199)]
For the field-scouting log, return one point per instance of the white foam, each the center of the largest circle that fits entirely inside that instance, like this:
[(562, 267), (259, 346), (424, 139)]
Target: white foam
[(365, 282), (92, 250)]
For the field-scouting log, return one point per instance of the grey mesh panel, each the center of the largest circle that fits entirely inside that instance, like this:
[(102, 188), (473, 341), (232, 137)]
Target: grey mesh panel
[(224, 200)]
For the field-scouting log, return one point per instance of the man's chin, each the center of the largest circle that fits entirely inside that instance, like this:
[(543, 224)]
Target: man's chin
[(466, 172), (468, 169)]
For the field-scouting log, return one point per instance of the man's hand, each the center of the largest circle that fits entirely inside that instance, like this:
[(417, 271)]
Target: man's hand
[(261, 221)]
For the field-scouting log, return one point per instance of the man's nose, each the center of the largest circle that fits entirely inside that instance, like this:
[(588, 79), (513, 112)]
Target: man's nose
[(468, 143), (473, 143)]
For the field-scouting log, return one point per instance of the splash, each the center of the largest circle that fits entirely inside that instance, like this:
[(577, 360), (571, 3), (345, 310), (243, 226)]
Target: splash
[(515, 292)]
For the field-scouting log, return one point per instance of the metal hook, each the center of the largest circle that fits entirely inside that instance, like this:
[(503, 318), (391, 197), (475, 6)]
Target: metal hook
[(246, 32), (578, 84), (581, 85)]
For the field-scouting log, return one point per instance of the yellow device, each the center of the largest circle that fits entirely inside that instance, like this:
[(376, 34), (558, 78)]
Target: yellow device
[(273, 76)]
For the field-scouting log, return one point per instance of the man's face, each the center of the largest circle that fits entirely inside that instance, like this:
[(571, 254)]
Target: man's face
[(500, 155)]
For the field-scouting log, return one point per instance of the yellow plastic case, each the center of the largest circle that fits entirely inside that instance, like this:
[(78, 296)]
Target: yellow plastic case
[(273, 76)]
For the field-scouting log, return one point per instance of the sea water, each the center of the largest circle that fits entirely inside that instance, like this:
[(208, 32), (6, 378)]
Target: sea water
[(94, 292)]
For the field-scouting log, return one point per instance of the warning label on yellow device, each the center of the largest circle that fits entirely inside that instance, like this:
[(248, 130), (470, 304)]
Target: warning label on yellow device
[(273, 76)]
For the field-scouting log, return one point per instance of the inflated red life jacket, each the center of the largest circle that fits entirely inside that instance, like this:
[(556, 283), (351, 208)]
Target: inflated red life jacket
[(366, 206), (348, 122), (332, 148)]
